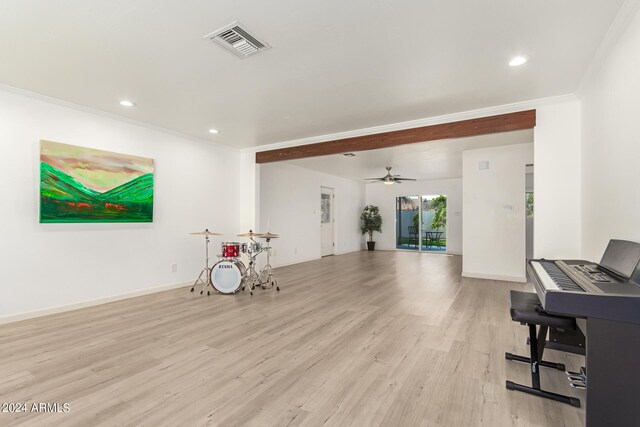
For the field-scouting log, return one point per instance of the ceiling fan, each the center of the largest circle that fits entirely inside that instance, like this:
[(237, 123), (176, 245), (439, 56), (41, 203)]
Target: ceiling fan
[(389, 179)]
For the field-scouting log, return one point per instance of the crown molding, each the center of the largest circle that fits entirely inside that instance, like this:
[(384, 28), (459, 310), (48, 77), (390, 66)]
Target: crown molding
[(625, 15), (112, 116), (472, 114)]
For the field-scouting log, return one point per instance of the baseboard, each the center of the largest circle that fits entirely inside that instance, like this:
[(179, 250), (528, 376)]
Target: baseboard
[(453, 253), (300, 261), (288, 263), (494, 277), (350, 251), (89, 303)]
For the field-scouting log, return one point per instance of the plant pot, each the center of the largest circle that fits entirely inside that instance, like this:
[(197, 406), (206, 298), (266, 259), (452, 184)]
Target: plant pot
[(371, 245)]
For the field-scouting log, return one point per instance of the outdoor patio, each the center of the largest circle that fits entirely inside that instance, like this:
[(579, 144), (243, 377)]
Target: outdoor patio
[(430, 246), (424, 248)]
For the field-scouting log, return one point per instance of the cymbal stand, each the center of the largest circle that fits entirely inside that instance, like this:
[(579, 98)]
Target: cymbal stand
[(252, 275), (267, 272), (206, 271)]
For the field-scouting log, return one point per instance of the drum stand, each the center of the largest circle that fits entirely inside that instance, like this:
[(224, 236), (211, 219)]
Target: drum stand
[(267, 272), (252, 275), (206, 271)]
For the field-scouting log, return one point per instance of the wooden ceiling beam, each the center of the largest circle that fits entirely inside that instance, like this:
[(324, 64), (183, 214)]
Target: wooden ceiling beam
[(465, 128)]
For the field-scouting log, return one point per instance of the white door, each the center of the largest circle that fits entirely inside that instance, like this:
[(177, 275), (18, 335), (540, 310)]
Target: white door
[(327, 221)]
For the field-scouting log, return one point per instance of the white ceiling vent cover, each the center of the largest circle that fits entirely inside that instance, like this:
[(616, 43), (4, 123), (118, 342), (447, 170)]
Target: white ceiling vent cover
[(236, 39)]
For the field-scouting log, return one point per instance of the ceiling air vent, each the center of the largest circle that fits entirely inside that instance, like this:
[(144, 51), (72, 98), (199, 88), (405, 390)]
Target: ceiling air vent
[(236, 39)]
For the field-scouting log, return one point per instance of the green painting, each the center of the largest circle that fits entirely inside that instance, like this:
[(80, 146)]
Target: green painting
[(80, 184)]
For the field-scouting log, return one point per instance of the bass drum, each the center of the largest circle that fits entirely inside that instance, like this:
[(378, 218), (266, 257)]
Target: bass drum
[(226, 276)]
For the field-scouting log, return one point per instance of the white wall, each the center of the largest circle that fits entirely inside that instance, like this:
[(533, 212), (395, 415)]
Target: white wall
[(290, 205), (611, 147), (557, 181), (384, 196), (248, 177), (493, 225), (52, 265)]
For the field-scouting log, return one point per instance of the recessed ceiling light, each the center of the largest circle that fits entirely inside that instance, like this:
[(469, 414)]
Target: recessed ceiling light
[(126, 103), (517, 60), (213, 131)]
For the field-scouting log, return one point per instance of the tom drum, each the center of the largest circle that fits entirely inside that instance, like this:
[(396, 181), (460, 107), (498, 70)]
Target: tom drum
[(230, 249)]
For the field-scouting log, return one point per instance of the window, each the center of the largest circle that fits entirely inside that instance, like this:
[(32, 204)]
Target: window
[(325, 208)]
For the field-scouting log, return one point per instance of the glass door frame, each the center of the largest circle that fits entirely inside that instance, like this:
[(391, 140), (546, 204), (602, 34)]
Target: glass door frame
[(399, 232), (421, 200)]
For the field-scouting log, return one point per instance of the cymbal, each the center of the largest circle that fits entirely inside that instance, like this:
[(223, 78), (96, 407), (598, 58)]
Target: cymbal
[(251, 233), (269, 235), (206, 232)]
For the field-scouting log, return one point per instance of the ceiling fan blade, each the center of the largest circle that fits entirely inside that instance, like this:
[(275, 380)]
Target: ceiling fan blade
[(389, 178)]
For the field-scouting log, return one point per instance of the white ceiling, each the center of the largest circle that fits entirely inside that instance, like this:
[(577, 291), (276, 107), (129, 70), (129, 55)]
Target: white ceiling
[(334, 66), (426, 160)]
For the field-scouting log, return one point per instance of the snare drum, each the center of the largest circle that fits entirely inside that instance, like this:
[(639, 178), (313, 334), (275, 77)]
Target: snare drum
[(226, 276), (230, 249), (255, 247)]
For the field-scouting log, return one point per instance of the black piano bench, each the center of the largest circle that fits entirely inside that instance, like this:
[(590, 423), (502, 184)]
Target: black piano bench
[(526, 309)]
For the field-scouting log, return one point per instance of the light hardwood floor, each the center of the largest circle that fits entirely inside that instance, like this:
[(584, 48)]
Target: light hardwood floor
[(382, 338)]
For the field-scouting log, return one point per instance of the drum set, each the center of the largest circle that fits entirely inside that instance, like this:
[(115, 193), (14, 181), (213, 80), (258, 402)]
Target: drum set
[(230, 275)]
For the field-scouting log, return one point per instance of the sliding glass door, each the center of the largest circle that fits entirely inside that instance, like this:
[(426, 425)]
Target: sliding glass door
[(421, 223), (407, 224), (434, 219)]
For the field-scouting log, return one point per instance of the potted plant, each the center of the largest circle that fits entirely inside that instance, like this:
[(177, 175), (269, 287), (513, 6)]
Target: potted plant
[(371, 221)]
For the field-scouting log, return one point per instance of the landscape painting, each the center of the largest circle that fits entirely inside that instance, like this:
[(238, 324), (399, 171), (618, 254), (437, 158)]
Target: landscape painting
[(80, 184)]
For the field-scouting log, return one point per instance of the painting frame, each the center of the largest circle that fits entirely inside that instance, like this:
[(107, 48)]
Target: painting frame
[(87, 185)]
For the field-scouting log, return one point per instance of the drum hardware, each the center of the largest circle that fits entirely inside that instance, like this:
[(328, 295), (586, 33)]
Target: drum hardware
[(252, 275), (252, 250), (266, 275), (206, 270), (229, 275)]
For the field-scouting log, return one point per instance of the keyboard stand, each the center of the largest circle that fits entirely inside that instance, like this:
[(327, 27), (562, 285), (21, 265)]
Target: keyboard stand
[(568, 341), (524, 309)]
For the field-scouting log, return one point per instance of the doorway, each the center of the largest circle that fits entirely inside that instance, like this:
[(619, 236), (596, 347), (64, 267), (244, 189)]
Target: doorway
[(407, 227), (327, 221), (421, 223)]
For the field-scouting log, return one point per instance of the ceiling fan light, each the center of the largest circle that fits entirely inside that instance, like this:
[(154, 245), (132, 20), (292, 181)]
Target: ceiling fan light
[(516, 61), (389, 179)]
